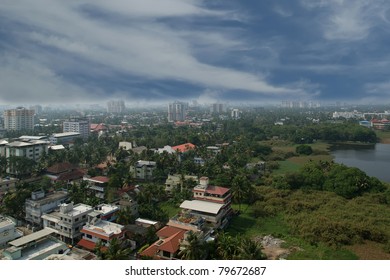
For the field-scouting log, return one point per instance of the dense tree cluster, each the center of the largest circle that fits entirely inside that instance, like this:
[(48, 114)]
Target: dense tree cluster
[(345, 181)]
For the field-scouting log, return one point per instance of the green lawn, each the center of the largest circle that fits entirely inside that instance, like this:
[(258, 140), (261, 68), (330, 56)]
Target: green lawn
[(286, 166), (171, 209), (247, 225)]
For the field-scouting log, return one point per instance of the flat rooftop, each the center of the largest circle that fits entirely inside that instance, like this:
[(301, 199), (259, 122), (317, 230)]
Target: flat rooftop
[(202, 206), (31, 237), (104, 228), (40, 248), (49, 197), (79, 209), (65, 134), (5, 221), (106, 208)]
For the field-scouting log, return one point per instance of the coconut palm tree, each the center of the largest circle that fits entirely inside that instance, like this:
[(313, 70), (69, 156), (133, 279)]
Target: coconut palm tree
[(250, 250), (193, 248)]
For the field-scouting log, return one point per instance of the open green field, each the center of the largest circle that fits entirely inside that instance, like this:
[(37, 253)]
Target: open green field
[(168, 207), (246, 225)]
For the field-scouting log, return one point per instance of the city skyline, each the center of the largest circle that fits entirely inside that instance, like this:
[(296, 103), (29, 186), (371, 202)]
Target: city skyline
[(220, 51)]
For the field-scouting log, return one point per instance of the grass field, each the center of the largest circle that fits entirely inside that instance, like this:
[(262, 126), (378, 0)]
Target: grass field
[(171, 209), (246, 225)]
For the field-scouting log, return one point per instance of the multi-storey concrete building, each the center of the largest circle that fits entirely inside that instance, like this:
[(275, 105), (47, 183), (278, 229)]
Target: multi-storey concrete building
[(41, 203), (32, 149), (64, 137), (36, 246), (177, 111), (19, 119), (8, 230), (68, 220), (116, 106), (98, 230), (81, 126), (143, 169), (212, 203)]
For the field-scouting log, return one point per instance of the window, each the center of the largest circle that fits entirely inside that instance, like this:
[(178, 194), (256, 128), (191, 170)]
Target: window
[(84, 216), (89, 236), (76, 220)]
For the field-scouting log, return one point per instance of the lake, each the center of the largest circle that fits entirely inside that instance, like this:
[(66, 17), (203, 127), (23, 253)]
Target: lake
[(372, 159)]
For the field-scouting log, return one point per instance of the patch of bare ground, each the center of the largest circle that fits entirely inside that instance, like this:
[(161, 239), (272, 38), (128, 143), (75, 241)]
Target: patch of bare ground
[(272, 247), (369, 250)]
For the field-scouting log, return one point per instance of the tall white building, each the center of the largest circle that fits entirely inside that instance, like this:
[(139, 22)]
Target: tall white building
[(81, 126), (217, 108), (19, 119), (235, 114), (177, 111), (116, 106)]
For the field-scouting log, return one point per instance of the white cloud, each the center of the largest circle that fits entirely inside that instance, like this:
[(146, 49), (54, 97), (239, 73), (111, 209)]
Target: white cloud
[(348, 20), (25, 80), (282, 11), (142, 46)]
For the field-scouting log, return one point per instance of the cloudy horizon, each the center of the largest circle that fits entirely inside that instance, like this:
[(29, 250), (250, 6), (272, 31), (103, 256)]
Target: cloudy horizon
[(61, 52)]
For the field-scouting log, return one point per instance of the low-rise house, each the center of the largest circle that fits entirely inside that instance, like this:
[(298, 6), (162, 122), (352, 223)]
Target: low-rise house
[(36, 246), (125, 145), (108, 212), (168, 245), (8, 230), (176, 181), (3, 143), (126, 201), (143, 169), (42, 203), (68, 220), (147, 223), (168, 149), (98, 230), (7, 184), (184, 147), (97, 185), (64, 172)]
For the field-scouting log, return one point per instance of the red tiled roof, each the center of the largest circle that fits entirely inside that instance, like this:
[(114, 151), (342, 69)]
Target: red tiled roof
[(167, 231), (89, 245), (184, 147), (60, 167), (72, 175), (150, 251), (216, 190), (172, 243), (98, 126), (169, 241)]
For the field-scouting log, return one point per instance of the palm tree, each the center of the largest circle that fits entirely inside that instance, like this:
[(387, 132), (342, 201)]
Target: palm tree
[(117, 250), (227, 247), (250, 250), (193, 248)]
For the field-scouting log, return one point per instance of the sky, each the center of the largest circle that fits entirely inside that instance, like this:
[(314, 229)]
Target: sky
[(157, 51)]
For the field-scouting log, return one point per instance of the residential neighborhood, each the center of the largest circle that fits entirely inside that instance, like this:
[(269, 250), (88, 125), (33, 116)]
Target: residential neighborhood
[(150, 186)]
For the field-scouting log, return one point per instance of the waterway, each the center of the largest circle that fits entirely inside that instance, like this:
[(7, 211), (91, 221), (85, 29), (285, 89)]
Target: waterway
[(372, 159)]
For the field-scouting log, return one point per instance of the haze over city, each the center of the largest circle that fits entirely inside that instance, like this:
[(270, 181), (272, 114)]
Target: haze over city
[(229, 51)]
